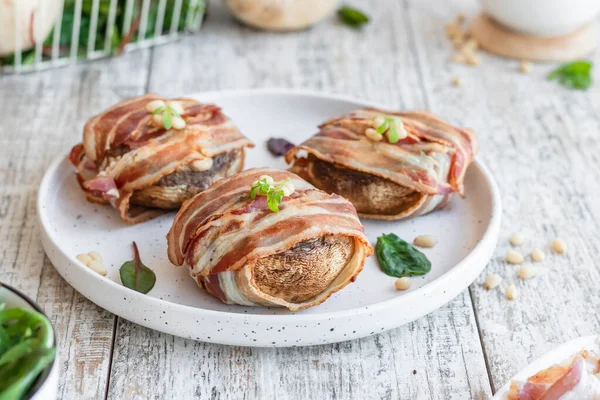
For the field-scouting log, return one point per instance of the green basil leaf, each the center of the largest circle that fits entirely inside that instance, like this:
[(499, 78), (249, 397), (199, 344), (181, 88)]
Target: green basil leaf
[(137, 276), (352, 17), (158, 110), (167, 118), (274, 198), (398, 258), (383, 127), (392, 133), (174, 112), (573, 75)]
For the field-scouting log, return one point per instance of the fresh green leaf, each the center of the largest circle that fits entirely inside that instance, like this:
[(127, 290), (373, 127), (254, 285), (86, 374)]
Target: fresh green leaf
[(383, 127), (137, 276), (398, 258), (158, 110), (573, 75), (352, 17), (174, 112), (274, 198), (392, 133), (167, 118)]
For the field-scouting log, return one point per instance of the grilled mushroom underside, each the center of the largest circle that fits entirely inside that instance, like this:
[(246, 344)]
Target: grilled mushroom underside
[(173, 189), (305, 270), (371, 195)]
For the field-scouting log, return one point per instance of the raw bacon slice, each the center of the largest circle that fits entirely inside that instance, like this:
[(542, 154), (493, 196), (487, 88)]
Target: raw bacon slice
[(414, 176), (142, 169), (243, 253)]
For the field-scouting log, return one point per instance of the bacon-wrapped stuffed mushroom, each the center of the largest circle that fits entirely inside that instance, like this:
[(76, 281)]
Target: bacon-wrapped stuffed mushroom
[(266, 237), (147, 154), (390, 165)]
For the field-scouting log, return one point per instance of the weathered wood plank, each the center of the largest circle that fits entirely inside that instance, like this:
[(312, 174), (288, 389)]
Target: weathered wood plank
[(377, 63), (436, 357), (541, 141), (42, 116)]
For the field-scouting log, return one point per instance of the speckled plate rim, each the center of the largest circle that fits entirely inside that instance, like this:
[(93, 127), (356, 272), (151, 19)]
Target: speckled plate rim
[(442, 289), (554, 356)]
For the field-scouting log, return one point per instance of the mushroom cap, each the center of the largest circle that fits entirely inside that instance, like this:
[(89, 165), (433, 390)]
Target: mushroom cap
[(173, 189)]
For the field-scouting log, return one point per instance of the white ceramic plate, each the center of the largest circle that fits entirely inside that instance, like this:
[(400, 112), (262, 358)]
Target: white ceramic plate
[(561, 353), (467, 233)]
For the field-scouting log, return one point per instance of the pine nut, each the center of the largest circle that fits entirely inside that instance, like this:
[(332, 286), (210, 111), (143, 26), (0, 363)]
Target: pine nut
[(97, 267), (154, 104), (516, 239), (158, 120), (511, 292), (178, 123), (202, 165), (538, 255), (457, 82), (373, 135), (402, 133), (288, 189), (458, 58), (559, 246), (491, 281), (84, 258), (426, 241), (469, 46), (473, 60), (514, 257), (403, 283), (95, 255), (267, 179), (527, 271), (525, 67), (176, 106), (379, 120)]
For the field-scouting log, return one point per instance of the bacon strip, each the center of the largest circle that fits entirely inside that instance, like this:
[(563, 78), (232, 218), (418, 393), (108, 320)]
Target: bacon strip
[(123, 146), (432, 160), (220, 233)]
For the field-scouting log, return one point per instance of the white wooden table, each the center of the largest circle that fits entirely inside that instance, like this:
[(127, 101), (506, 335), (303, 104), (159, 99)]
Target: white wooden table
[(541, 141)]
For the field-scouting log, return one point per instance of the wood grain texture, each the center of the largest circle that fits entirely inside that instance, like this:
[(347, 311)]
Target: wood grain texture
[(436, 357), (42, 117), (542, 143)]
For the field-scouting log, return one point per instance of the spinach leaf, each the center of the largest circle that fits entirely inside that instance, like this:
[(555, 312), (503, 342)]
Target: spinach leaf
[(398, 258), (137, 276), (573, 75), (352, 17)]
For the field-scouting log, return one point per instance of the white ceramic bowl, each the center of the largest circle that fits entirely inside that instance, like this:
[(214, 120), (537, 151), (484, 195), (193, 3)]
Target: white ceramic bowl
[(546, 18), (46, 386)]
